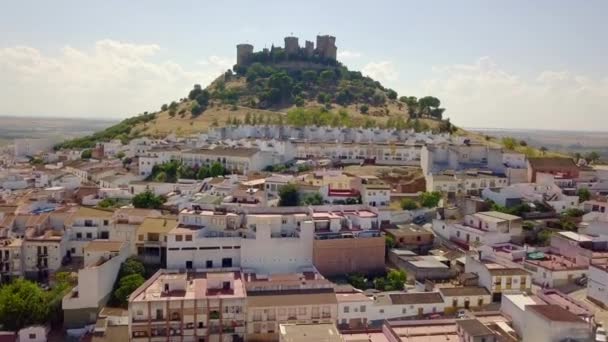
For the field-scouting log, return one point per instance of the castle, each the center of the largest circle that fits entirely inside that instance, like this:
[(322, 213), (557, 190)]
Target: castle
[(326, 49)]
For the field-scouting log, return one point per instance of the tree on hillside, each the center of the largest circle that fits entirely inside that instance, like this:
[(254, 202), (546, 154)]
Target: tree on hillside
[(86, 154), (309, 76), (195, 92), (543, 150), (147, 200), (196, 109), (164, 107), (289, 196), (592, 157), (509, 143), (364, 109), (391, 94), (326, 77)]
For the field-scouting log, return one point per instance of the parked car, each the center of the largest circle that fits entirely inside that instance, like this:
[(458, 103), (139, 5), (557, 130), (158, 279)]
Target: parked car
[(581, 281), (419, 220), (600, 335)]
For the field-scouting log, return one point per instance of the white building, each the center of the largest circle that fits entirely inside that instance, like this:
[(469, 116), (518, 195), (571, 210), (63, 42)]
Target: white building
[(548, 323), (86, 225), (483, 228), (498, 279), (597, 284), (102, 260)]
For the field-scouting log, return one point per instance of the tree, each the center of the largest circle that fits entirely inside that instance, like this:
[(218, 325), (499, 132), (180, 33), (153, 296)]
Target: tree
[(217, 169), (126, 286), (430, 199), (312, 199), (299, 101), (326, 77), (196, 91), (391, 94), (120, 155), (583, 194), (408, 204), (396, 279), (196, 109), (364, 109), (289, 196), (592, 157), (203, 173), (23, 303), (543, 150), (309, 76), (148, 200), (164, 107), (323, 98), (509, 143), (380, 284), (357, 281), (131, 266), (86, 154)]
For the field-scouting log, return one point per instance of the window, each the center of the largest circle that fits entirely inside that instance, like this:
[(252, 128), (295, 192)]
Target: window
[(32, 336), (188, 237), (89, 235), (362, 308), (106, 222), (346, 309), (403, 311), (178, 238), (140, 237), (79, 235), (381, 311)]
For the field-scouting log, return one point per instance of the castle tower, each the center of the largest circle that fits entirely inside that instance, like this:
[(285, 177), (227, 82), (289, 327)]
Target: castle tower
[(309, 49), (326, 47), (243, 52), (292, 47)]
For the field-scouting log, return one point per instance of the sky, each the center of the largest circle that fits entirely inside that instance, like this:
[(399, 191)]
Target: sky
[(539, 64)]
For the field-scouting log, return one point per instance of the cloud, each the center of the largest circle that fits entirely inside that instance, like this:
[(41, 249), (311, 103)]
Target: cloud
[(346, 54), (384, 71), (483, 94), (110, 79)]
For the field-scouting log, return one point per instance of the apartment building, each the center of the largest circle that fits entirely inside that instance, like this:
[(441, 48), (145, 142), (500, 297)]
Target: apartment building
[(558, 166), (87, 224), (11, 260), (197, 306), (471, 182), (553, 270), (43, 253), (236, 160), (302, 298), (374, 192), (151, 241), (465, 297)]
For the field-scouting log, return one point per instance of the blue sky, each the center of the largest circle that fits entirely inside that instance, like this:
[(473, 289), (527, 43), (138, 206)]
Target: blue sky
[(512, 64)]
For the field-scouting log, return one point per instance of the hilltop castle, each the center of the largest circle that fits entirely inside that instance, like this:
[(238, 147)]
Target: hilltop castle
[(326, 49)]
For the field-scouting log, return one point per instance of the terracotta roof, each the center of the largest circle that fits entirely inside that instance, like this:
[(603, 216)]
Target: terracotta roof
[(474, 327), (464, 291), (553, 162), (554, 313), (416, 298)]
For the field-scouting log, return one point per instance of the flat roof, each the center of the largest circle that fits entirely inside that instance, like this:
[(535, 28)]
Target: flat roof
[(326, 332), (103, 246), (352, 297), (521, 300), (158, 225), (474, 327)]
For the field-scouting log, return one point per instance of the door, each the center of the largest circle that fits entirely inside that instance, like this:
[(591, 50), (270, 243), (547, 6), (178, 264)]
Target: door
[(209, 264), (227, 262), (189, 264), (420, 312)]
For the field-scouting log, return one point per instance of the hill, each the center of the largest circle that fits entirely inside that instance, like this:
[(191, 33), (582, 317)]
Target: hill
[(304, 87)]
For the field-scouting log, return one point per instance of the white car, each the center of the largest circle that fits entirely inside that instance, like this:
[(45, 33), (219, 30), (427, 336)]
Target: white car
[(600, 335)]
